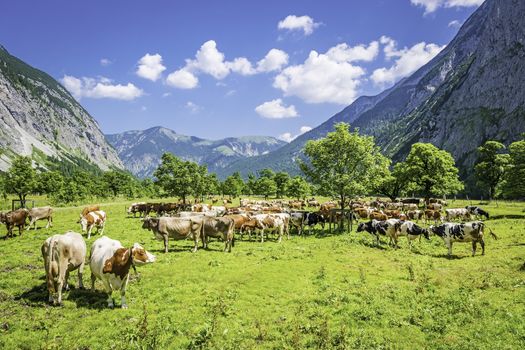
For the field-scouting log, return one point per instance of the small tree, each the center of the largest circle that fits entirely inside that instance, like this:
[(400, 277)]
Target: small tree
[(515, 186), (432, 171), (20, 178), (281, 181), (344, 164), (298, 188), (49, 182), (395, 183), (233, 185), (491, 166), (250, 185), (265, 187), (176, 177)]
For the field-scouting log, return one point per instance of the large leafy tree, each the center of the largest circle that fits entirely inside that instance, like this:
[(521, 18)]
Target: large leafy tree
[(344, 164), (118, 182), (176, 177), (298, 188), (20, 179), (491, 166), (49, 182), (395, 183), (282, 180), (432, 172), (515, 186), (233, 185), (265, 186)]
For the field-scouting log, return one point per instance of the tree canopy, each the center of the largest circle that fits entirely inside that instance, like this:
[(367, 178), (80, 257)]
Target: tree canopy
[(491, 166), (515, 186), (20, 179)]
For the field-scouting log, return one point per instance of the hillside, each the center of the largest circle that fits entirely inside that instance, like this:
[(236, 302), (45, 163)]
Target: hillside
[(39, 118), (141, 150), (471, 92)]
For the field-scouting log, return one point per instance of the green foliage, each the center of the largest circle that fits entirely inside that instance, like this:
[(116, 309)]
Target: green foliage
[(395, 183), (233, 185), (265, 186), (298, 188), (491, 166), (20, 179), (344, 164), (515, 174), (177, 177), (432, 171), (49, 182), (281, 182)]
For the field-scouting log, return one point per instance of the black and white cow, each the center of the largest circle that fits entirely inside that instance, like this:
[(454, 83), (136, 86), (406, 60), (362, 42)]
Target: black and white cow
[(464, 232), (412, 231), (387, 228), (477, 211)]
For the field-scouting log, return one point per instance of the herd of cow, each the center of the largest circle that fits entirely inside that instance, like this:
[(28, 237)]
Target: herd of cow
[(110, 261)]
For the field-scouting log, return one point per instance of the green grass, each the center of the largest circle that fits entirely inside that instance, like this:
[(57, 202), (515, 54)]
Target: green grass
[(320, 291)]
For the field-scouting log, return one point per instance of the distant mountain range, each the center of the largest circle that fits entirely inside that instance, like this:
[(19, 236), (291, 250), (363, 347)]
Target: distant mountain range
[(472, 91), (141, 150), (39, 118)]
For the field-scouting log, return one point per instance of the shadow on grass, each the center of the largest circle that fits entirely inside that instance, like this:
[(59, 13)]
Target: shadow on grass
[(38, 296)]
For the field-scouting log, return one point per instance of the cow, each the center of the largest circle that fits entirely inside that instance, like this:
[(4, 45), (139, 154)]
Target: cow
[(42, 213), (458, 213), (286, 219), (271, 223), (415, 214), (110, 262), (433, 215), (238, 220), (379, 216), (464, 232), (251, 225), (410, 206), (135, 208), (416, 201), (387, 228), (89, 209), (93, 219), (412, 231), (219, 228), (297, 220), (392, 213), (16, 218), (176, 228), (63, 254), (435, 206), (477, 211), (315, 218)]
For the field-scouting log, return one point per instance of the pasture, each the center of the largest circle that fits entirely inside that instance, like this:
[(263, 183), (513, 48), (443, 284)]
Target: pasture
[(319, 291)]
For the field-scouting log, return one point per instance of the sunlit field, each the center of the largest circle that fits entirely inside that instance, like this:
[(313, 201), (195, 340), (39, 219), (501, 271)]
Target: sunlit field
[(313, 291)]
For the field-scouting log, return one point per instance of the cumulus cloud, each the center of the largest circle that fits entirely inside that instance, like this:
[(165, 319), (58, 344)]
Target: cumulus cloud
[(150, 67), (209, 60), (432, 5), (275, 109), (182, 79), (407, 60), (345, 53), (274, 60), (104, 62), (304, 23), (329, 77), (288, 137), (100, 88), (242, 66), (455, 24)]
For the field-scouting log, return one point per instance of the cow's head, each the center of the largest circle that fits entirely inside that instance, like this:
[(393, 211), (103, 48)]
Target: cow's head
[(426, 233), (361, 227), (83, 223), (150, 223), (141, 256)]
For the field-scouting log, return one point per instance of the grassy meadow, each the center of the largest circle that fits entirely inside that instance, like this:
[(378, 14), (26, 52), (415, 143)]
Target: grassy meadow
[(318, 291)]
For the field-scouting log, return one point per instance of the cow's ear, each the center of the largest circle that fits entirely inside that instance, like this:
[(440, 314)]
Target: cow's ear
[(108, 266)]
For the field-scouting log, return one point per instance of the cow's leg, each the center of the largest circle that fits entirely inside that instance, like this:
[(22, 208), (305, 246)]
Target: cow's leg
[(482, 242), (20, 229), (80, 273), (280, 234), (66, 279), (123, 303), (101, 231), (449, 246), (89, 231), (196, 243), (474, 243), (165, 243), (109, 290), (60, 284), (93, 279), (262, 235), (31, 222)]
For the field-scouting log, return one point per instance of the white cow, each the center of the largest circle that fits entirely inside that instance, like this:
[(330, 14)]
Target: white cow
[(110, 262), (42, 213)]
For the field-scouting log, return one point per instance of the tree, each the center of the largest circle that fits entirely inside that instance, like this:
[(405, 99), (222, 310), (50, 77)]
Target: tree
[(250, 185), (118, 182), (515, 186), (344, 164), (21, 178), (281, 181), (298, 188), (175, 176), (432, 171), (265, 186), (49, 182), (491, 166), (233, 185), (395, 183)]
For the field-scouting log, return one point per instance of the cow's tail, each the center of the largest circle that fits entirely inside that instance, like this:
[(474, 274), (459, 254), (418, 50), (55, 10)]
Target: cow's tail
[(52, 255), (492, 233), (231, 230)]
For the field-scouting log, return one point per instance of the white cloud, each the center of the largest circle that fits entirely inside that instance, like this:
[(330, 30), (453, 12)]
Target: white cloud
[(242, 66), (193, 108), (104, 62), (304, 129), (150, 67), (432, 5), (209, 60), (288, 137), (304, 23), (182, 79), (276, 110), (345, 53), (322, 78), (455, 24), (275, 59), (408, 60), (166, 94), (100, 88)]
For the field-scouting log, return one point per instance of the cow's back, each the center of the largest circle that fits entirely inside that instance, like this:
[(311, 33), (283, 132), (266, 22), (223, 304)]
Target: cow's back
[(101, 250)]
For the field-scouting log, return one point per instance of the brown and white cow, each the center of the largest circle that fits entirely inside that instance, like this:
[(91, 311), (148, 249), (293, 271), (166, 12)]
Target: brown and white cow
[(110, 262), (93, 219), (271, 223), (176, 228), (89, 209), (218, 228), (41, 213), (16, 218), (63, 254)]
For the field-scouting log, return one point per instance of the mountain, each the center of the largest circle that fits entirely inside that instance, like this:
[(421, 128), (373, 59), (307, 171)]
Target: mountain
[(472, 91), (39, 118), (141, 150)]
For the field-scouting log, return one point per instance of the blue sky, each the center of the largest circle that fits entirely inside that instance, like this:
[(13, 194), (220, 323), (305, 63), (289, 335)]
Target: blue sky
[(227, 68)]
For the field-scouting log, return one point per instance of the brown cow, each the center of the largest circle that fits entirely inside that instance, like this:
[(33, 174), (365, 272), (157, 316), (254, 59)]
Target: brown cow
[(16, 218), (89, 209), (42, 213), (393, 213), (220, 228), (378, 216), (177, 228), (433, 215)]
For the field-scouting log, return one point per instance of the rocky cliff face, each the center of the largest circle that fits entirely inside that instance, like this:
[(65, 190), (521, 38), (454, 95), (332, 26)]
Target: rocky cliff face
[(141, 150), (471, 92), (39, 118)]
